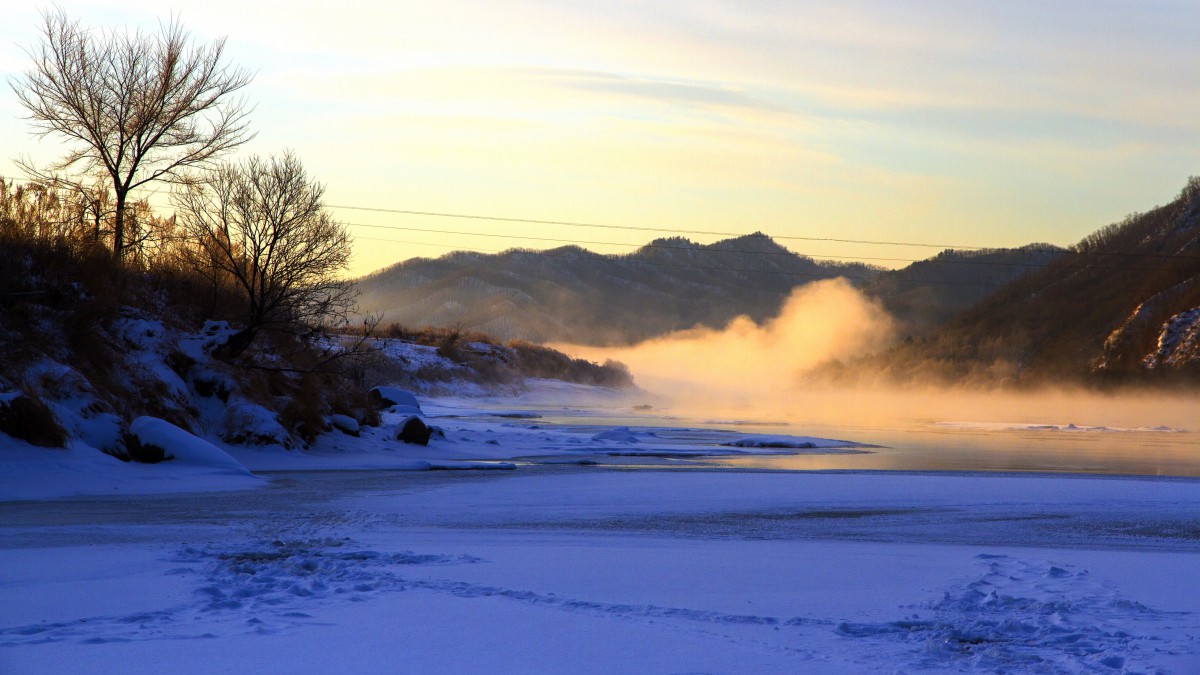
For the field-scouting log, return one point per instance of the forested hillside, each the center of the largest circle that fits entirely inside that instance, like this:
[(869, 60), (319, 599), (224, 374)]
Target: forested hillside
[(929, 292), (1121, 304), (571, 294)]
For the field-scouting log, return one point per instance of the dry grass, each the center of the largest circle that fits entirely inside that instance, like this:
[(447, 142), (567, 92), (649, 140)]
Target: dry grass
[(28, 418)]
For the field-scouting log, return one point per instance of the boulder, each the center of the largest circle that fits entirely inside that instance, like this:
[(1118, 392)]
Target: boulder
[(345, 424), (412, 430), (386, 397), (248, 423), (146, 453)]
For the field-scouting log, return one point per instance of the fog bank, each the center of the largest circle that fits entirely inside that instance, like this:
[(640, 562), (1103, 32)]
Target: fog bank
[(755, 371), (745, 361)]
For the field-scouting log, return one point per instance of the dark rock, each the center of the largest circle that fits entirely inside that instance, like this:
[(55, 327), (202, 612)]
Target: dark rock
[(146, 453), (413, 430), (386, 397)]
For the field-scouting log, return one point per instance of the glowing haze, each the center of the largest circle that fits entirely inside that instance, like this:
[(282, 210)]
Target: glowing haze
[(745, 361), (984, 123), (756, 372)]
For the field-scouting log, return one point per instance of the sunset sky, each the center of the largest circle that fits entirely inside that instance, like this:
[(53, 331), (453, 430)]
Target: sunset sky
[(965, 123)]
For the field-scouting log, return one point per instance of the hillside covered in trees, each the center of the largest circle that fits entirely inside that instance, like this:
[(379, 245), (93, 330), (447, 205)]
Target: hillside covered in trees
[(929, 292), (574, 295), (1121, 305)]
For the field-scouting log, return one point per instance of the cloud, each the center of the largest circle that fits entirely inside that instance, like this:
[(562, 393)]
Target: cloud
[(667, 92)]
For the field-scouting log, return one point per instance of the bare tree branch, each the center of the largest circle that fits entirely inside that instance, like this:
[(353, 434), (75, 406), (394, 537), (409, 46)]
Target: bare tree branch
[(261, 223), (136, 107)]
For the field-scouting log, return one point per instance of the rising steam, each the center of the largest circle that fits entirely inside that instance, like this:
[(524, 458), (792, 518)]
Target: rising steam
[(743, 361), (756, 372)]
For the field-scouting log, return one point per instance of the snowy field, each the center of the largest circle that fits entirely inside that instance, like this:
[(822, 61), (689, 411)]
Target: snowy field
[(586, 546)]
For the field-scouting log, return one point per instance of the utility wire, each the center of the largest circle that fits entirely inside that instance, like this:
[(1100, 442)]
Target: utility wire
[(569, 223), (931, 261), (503, 219), (1163, 256), (691, 248)]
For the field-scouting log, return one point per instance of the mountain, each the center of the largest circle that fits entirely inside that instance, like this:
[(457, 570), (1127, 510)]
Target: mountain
[(574, 295), (929, 292), (1122, 304)]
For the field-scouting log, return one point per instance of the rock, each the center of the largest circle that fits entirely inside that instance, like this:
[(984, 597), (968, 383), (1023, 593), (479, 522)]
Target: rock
[(146, 453), (385, 397), (413, 430), (248, 423), (345, 424)]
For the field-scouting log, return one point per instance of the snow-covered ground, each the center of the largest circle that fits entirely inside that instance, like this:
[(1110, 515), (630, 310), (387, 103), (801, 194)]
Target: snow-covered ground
[(571, 560)]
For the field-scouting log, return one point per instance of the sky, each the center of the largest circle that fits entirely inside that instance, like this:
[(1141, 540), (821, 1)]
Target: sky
[(934, 122)]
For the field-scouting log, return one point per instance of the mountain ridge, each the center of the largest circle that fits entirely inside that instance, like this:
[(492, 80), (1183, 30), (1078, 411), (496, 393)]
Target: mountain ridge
[(572, 294), (1118, 306)]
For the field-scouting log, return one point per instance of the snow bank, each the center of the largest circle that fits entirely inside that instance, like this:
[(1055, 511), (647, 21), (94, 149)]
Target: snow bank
[(31, 473), (183, 447)]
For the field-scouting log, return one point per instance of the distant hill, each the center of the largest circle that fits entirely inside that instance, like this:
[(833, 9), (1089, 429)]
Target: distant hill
[(574, 295), (1123, 303), (929, 292)]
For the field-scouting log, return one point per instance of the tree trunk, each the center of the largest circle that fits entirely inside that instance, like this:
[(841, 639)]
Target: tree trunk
[(119, 227)]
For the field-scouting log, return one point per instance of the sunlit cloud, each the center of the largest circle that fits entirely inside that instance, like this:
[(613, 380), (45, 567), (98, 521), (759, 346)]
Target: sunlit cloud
[(1000, 123)]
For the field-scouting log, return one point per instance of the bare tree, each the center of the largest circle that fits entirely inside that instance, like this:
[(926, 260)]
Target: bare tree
[(261, 224), (132, 107)]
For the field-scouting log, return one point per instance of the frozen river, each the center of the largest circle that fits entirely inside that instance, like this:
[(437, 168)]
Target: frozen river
[(927, 445), (619, 543)]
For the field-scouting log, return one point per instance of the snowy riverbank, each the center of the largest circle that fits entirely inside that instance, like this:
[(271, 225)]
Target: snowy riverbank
[(568, 569), (330, 559)]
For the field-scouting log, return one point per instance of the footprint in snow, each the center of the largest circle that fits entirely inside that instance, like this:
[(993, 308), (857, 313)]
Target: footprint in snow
[(1032, 616), (260, 586)]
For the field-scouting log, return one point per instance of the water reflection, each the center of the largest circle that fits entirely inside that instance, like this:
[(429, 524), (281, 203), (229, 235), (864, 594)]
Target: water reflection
[(1122, 448), (928, 446), (937, 449)]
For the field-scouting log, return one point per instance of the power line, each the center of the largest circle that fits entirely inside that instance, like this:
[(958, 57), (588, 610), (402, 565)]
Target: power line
[(569, 223), (1163, 256), (1158, 256), (700, 249), (617, 243)]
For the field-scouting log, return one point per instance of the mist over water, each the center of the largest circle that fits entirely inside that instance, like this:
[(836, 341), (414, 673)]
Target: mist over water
[(746, 362), (755, 372)]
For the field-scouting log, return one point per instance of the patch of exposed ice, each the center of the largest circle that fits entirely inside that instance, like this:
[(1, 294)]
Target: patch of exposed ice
[(617, 435), (790, 443)]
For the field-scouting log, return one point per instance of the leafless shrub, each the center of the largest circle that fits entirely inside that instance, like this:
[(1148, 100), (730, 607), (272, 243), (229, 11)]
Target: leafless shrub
[(261, 228)]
